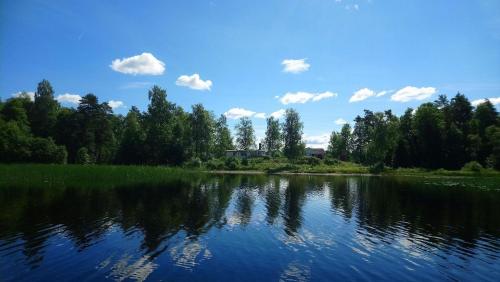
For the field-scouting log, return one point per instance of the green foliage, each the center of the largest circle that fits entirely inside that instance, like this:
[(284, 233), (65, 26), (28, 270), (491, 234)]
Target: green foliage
[(272, 141), (340, 143), (82, 156), (43, 116), (377, 168), (223, 140), (444, 134), (292, 135), (44, 150), (194, 162), (245, 136), (244, 162), (231, 163), (472, 166)]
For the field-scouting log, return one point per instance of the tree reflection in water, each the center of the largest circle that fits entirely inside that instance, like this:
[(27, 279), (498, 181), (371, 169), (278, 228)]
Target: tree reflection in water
[(173, 216)]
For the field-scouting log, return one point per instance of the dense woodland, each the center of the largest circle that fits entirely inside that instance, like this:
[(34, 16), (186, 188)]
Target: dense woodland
[(442, 134)]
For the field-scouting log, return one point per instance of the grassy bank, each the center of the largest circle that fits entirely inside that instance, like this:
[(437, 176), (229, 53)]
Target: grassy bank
[(282, 165), (29, 175), (88, 175)]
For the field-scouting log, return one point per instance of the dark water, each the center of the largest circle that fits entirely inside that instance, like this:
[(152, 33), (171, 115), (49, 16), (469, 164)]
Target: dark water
[(254, 228)]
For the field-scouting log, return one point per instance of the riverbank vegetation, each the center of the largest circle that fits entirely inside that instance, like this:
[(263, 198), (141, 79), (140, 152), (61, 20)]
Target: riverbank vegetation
[(440, 136)]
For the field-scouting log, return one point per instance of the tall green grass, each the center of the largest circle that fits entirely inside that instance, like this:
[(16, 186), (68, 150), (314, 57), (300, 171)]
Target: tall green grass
[(43, 175)]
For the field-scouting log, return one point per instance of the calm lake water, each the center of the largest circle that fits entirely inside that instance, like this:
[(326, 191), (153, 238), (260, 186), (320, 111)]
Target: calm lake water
[(254, 228)]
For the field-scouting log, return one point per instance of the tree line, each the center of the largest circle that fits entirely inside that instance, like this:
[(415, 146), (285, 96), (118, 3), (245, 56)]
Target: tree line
[(442, 134)]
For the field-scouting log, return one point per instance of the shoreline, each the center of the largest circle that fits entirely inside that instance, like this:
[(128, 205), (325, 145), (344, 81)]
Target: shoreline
[(259, 172)]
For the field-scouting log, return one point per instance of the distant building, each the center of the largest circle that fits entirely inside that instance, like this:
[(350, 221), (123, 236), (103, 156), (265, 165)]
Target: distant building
[(246, 153), (315, 152)]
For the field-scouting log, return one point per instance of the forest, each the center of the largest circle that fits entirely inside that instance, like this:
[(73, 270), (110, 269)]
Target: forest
[(446, 133)]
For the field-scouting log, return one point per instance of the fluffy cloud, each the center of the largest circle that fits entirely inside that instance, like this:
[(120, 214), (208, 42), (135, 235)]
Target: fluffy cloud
[(236, 113), (340, 121), (115, 104), (317, 141), (410, 93), (295, 66), (361, 95), (494, 101), (260, 115), (278, 114), (143, 64), (194, 82), (30, 95), (69, 98), (382, 93), (304, 97)]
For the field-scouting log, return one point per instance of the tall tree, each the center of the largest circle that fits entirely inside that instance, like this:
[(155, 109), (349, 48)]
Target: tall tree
[(202, 125), (44, 112), (272, 141), (132, 142), (339, 146), (223, 139), (429, 126), (96, 133), (158, 126), (245, 137), (405, 154), (292, 135)]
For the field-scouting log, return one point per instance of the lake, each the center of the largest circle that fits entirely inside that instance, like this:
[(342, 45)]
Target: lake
[(254, 228)]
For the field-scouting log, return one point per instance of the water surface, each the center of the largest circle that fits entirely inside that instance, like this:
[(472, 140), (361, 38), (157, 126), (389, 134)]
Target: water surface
[(249, 228)]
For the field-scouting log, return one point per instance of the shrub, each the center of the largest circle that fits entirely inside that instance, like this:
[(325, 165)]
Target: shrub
[(194, 162), (215, 164), (231, 163), (82, 156), (331, 161), (472, 166), (266, 158), (244, 162), (44, 150), (376, 168), (314, 161)]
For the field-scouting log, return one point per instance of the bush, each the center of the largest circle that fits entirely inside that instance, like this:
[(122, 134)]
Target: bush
[(194, 162), (215, 164), (244, 162), (82, 156), (266, 158), (376, 168), (331, 161), (231, 163), (472, 166), (314, 161), (44, 150)]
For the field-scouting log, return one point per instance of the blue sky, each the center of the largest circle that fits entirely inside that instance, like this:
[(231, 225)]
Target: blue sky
[(328, 59)]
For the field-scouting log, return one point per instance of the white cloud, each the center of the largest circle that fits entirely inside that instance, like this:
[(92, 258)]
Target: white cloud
[(260, 115), (30, 95), (69, 98), (278, 114), (324, 95), (317, 141), (494, 101), (304, 97), (340, 121), (383, 92), (115, 104), (295, 66), (361, 95), (194, 82), (410, 93), (143, 64), (236, 113)]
